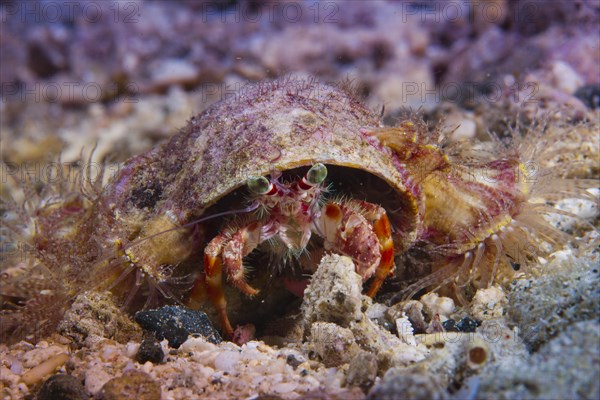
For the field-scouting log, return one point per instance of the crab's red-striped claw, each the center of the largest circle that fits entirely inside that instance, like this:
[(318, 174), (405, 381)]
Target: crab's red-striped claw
[(214, 281), (381, 227), (362, 231), (386, 266)]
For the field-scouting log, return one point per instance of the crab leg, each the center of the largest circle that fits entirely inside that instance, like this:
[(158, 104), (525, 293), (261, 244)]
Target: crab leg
[(228, 252), (214, 280), (243, 241)]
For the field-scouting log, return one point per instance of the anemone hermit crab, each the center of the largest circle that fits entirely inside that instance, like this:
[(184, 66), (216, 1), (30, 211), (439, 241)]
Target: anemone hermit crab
[(305, 168)]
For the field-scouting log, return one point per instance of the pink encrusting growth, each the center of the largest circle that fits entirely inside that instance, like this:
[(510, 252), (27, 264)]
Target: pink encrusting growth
[(485, 216)]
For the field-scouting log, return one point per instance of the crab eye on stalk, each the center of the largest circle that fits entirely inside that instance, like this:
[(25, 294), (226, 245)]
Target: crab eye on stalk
[(316, 174), (259, 184)]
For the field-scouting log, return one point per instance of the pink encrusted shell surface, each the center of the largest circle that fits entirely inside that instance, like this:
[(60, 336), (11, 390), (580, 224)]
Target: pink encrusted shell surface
[(277, 125)]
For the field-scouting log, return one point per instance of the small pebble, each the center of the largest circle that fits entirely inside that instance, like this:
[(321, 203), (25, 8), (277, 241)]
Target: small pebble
[(467, 325), (362, 370), (450, 325), (64, 387), (176, 323), (40, 354), (589, 95), (133, 384), (434, 304), (131, 349), (564, 77), (285, 387), (334, 293), (150, 350), (227, 360), (334, 344), (95, 378), (195, 345), (294, 361)]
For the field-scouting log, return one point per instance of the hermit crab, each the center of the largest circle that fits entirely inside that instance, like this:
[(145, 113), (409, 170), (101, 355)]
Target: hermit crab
[(300, 135), (299, 168)]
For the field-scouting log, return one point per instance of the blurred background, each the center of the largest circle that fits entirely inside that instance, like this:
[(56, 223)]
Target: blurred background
[(127, 74)]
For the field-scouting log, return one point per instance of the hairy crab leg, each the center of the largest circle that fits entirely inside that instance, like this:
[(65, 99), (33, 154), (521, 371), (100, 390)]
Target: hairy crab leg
[(243, 241), (227, 253)]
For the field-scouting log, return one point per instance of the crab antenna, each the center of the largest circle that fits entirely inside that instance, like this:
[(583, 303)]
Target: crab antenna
[(251, 207)]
